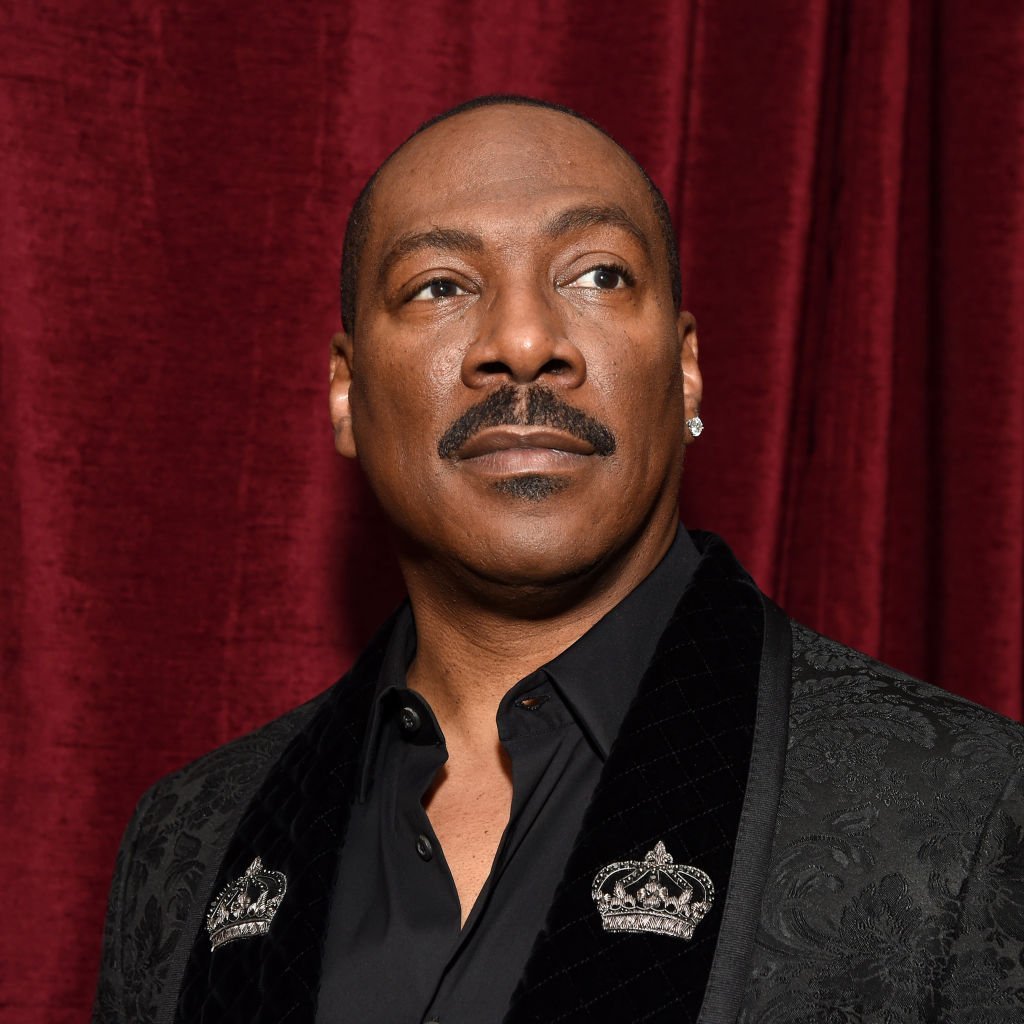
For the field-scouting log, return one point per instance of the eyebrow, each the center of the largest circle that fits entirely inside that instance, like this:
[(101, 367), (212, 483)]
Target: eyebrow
[(444, 239), (575, 218), (586, 215)]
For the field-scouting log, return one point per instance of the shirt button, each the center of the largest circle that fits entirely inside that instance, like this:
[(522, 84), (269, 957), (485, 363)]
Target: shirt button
[(423, 848), (409, 719)]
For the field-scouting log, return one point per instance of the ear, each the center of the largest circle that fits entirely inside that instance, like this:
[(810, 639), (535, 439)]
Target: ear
[(693, 383), (341, 384)]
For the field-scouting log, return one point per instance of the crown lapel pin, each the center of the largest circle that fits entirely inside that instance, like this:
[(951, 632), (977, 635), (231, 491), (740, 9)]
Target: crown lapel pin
[(654, 895), (246, 906)]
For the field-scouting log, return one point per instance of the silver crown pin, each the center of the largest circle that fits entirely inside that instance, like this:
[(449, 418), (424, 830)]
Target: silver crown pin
[(246, 906), (654, 895)]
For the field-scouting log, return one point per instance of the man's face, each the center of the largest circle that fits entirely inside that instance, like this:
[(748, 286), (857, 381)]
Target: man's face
[(518, 380)]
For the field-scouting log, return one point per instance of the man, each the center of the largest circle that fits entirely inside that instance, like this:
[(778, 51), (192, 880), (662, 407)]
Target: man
[(588, 772)]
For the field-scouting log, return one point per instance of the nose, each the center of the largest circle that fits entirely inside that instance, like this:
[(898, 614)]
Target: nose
[(523, 339)]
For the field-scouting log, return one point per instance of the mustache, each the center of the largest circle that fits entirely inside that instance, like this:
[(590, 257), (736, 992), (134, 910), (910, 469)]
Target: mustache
[(542, 407)]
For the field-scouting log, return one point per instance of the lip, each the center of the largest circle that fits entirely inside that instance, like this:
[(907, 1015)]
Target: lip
[(536, 439)]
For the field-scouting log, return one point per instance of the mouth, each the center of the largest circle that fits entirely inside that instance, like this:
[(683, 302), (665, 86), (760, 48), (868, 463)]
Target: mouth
[(531, 442)]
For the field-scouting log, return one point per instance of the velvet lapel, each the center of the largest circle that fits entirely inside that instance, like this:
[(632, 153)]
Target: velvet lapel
[(678, 774), (296, 824)]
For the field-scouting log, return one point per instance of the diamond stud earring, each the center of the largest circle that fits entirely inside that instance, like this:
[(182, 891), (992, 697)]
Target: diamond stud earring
[(695, 426)]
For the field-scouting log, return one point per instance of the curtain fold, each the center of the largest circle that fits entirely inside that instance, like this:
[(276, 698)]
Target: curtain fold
[(182, 556)]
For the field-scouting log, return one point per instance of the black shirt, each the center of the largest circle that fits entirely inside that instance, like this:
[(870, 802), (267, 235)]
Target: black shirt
[(395, 952)]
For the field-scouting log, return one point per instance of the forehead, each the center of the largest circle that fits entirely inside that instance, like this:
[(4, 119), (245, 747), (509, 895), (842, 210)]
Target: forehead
[(507, 164)]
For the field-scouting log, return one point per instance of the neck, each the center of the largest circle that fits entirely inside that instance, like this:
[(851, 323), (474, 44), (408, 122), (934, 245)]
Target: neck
[(474, 642)]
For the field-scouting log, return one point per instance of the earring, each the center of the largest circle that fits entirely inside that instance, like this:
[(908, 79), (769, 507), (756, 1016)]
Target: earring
[(695, 427)]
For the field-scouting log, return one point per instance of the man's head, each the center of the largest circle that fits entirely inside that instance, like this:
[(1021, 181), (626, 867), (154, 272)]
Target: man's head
[(517, 375)]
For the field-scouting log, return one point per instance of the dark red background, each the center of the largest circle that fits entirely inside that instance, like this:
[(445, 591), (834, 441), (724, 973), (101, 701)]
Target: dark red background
[(183, 556)]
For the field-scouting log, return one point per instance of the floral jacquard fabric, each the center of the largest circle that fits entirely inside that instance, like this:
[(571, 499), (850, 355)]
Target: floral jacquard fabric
[(896, 887)]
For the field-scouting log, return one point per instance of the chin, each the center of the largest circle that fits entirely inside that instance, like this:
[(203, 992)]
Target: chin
[(534, 488)]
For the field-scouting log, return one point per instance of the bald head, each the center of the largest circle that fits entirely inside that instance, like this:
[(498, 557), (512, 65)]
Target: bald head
[(474, 115)]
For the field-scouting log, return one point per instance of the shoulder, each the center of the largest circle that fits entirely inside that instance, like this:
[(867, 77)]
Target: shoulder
[(906, 779), (839, 688), (206, 792), (899, 844), (183, 821)]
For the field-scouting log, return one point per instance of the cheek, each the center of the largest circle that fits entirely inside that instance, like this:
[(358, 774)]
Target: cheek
[(401, 404), (641, 391)]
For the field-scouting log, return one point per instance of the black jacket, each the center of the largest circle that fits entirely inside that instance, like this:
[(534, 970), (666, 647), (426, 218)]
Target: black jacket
[(863, 831)]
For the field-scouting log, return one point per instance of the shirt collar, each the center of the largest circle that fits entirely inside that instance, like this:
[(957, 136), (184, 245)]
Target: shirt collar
[(597, 676)]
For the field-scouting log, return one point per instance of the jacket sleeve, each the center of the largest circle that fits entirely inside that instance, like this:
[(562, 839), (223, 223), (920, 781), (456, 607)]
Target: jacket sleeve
[(110, 1005), (985, 979)]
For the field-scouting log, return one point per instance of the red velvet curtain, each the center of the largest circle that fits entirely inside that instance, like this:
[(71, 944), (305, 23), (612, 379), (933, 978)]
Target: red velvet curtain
[(183, 556)]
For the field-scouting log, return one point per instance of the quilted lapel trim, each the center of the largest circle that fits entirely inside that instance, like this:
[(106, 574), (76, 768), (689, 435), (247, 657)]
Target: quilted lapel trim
[(677, 773), (296, 823)]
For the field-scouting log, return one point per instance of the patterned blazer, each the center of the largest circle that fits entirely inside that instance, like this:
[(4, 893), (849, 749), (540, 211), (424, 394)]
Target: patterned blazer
[(863, 832)]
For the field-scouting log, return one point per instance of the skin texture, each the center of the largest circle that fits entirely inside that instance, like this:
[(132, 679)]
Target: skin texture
[(516, 392)]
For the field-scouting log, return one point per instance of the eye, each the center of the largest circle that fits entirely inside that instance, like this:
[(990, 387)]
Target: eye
[(604, 278), (438, 288)]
